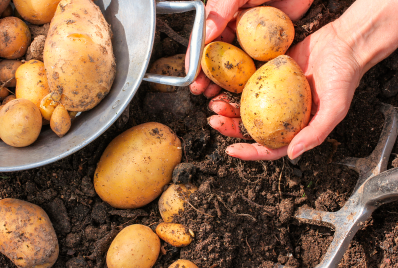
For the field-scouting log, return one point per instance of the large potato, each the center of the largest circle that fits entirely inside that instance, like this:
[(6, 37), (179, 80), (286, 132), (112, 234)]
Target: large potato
[(276, 102), (136, 246), (7, 72), (264, 32), (20, 123), (3, 5), (170, 66), (136, 165), (14, 38), (36, 11), (175, 234), (27, 236), (78, 55), (227, 66), (183, 264)]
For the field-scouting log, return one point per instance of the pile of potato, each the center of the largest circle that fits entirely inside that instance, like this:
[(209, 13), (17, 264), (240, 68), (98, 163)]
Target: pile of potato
[(76, 71)]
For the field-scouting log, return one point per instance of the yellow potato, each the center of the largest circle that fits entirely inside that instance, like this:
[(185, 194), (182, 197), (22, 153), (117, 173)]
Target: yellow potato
[(60, 121), (78, 55), (47, 106), (36, 11), (136, 165), (276, 103), (14, 38), (20, 123), (136, 246), (170, 66), (7, 72), (173, 199), (8, 99), (3, 5), (264, 32), (31, 82), (183, 264), (27, 236), (175, 234), (227, 66)]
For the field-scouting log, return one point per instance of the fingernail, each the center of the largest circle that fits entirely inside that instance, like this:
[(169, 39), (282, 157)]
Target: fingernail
[(208, 121), (209, 30), (297, 150)]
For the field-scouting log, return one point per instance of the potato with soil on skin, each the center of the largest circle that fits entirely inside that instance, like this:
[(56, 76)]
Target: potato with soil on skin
[(175, 234), (3, 5), (264, 32), (27, 236), (170, 66), (173, 199), (78, 55), (136, 246), (8, 12), (36, 11), (8, 99), (183, 264), (276, 103), (227, 66), (60, 121), (20, 123), (3, 93), (136, 165), (8, 69), (14, 38)]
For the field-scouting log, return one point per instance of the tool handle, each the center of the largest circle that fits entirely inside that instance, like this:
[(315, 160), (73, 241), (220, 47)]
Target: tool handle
[(381, 189)]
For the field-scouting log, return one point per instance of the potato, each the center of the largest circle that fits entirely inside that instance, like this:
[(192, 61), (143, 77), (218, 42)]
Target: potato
[(36, 11), (171, 66), (20, 123), (3, 5), (3, 93), (276, 102), (173, 199), (7, 72), (47, 106), (175, 234), (60, 121), (8, 12), (78, 55), (183, 264), (31, 82), (14, 38), (27, 236), (8, 99), (136, 165), (136, 246), (264, 32), (227, 66)]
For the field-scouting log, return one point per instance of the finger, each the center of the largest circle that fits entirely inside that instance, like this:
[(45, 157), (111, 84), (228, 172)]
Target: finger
[(226, 126), (228, 35), (212, 90), (255, 151), (224, 108), (295, 9), (200, 84)]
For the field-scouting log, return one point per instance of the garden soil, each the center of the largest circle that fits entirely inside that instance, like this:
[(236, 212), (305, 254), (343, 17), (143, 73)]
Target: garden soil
[(243, 213)]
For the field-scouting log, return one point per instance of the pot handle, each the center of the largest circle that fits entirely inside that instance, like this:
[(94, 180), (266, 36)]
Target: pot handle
[(197, 42)]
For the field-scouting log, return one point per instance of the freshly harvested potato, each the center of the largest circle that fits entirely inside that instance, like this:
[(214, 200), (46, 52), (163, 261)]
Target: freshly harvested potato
[(8, 99), (60, 121), (27, 236), (36, 11), (183, 264), (175, 234), (136, 165), (7, 72), (171, 66), (14, 38), (227, 66), (20, 123), (264, 32), (3, 5), (3, 93), (31, 82), (276, 102), (136, 246), (7, 12), (173, 199), (78, 55), (47, 106)]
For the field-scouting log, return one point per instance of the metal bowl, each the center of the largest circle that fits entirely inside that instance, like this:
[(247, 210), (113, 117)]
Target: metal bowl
[(133, 26)]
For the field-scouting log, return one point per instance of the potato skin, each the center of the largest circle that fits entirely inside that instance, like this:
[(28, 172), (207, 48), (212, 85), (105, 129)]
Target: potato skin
[(170, 66), (7, 71), (36, 11), (136, 246), (264, 32), (183, 264), (136, 165), (8, 12), (14, 38), (78, 55), (276, 103), (27, 236), (227, 66), (3, 5), (175, 234), (60, 121)]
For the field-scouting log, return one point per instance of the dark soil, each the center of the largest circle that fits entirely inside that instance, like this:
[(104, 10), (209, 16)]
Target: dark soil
[(243, 213)]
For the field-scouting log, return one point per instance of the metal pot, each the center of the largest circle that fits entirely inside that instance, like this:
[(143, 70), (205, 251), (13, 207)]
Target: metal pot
[(133, 26)]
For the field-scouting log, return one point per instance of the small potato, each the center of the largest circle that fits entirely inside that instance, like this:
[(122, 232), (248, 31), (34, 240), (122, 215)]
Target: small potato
[(8, 99), (171, 66), (175, 234), (276, 102), (264, 32), (20, 123), (36, 11), (183, 264), (136, 165), (27, 236), (136, 246), (227, 66), (14, 38), (31, 82), (8, 12), (3, 5), (173, 199), (8, 69), (60, 121), (47, 106), (3, 93)]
